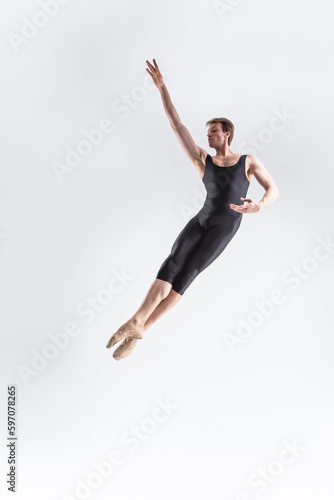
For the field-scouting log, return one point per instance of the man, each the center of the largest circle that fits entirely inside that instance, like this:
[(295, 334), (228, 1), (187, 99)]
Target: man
[(226, 177)]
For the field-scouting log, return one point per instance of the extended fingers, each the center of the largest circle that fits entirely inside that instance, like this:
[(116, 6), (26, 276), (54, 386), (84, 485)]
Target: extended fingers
[(156, 68), (240, 208), (150, 65)]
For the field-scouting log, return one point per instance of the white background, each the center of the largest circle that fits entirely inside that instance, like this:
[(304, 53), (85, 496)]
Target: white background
[(119, 211)]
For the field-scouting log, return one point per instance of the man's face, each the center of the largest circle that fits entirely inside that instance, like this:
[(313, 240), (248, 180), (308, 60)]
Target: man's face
[(216, 136)]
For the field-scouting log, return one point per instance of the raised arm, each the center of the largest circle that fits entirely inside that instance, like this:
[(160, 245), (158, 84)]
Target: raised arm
[(195, 153)]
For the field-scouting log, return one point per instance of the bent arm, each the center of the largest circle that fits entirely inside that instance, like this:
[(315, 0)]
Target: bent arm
[(264, 178), (194, 152)]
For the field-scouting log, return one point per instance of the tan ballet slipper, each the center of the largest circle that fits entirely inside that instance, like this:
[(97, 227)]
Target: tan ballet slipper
[(127, 331), (125, 349)]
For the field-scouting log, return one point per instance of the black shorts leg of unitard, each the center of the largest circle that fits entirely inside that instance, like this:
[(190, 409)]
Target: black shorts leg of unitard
[(195, 248), (206, 235)]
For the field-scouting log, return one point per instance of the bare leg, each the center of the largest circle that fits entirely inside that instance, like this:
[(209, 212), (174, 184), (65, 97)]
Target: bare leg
[(125, 348), (157, 293), (134, 327), (165, 305)]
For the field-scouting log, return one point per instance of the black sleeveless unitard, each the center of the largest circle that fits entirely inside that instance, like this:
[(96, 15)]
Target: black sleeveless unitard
[(206, 235)]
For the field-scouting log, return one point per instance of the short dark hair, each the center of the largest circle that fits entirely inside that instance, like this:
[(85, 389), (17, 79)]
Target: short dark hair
[(227, 126)]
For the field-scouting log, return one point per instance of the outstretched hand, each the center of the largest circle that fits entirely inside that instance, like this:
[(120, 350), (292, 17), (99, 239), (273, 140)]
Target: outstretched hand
[(249, 206), (155, 74)]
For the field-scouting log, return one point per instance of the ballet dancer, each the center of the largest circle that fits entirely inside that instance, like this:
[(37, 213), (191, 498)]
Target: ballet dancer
[(226, 177)]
